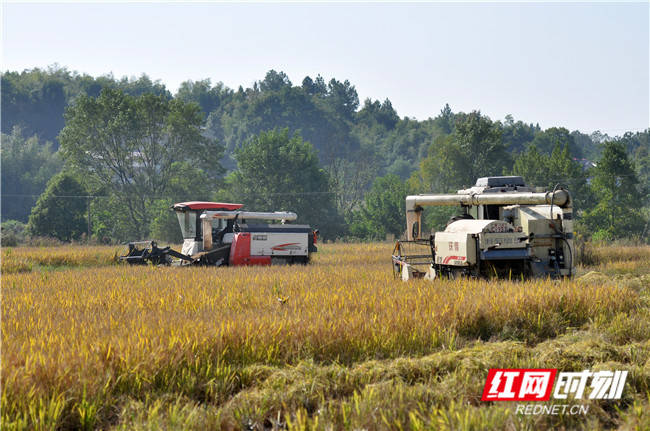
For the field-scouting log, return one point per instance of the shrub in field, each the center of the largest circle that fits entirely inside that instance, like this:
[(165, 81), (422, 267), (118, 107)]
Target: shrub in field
[(12, 233), (61, 218)]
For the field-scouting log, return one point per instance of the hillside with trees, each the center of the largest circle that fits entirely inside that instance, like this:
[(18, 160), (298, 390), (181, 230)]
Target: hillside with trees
[(313, 147)]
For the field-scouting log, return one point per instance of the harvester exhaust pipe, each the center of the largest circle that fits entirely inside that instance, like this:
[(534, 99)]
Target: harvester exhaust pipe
[(277, 215)]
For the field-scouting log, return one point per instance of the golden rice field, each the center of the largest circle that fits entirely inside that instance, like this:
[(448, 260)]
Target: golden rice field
[(95, 345), (26, 259)]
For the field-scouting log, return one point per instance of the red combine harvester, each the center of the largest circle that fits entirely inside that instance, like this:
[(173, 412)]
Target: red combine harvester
[(220, 234)]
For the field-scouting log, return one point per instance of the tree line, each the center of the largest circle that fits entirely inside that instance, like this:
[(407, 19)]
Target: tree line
[(121, 151)]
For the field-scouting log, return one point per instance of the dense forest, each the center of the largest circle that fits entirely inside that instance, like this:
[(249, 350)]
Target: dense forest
[(120, 151)]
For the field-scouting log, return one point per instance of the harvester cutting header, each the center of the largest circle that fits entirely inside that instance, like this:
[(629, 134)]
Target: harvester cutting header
[(220, 234), (506, 229)]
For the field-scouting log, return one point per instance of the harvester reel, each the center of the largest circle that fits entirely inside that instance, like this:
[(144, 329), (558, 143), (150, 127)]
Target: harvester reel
[(151, 253), (413, 259)]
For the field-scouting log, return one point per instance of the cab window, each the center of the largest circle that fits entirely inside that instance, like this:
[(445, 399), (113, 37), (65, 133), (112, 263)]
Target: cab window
[(187, 220)]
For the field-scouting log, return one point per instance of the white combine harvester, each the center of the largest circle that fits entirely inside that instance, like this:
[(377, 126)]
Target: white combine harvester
[(505, 229), (220, 234)]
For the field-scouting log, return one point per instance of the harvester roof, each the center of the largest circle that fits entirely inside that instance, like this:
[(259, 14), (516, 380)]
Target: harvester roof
[(199, 205)]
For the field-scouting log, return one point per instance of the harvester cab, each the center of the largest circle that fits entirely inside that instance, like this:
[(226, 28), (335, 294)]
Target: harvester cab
[(504, 229), (220, 234), (189, 218)]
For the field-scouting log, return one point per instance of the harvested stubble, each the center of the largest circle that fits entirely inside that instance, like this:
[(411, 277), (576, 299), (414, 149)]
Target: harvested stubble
[(25, 259), (81, 345)]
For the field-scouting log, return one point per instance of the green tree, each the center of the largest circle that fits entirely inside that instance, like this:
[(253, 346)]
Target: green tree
[(12, 233), (516, 135), (35, 100), (342, 99), (27, 165), (587, 145), (278, 172), (209, 98), (316, 87), (638, 146), (382, 211), (533, 167), (642, 157), (60, 211), (143, 85), (110, 220), (274, 81), (446, 119), (617, 213), (321, 114), (559, 168), (378, 114), (552, 137), (350, 180), (440, 170), (132, 146), (565, 171), (453, 161), (400, 147), (164, 225), (479, 140)]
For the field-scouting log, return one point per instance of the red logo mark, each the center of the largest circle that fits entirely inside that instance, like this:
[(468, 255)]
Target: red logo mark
[(522, 384), (287, 246), (448, 258)]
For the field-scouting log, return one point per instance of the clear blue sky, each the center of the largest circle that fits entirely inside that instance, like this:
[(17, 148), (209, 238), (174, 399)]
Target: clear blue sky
[(583, 66)]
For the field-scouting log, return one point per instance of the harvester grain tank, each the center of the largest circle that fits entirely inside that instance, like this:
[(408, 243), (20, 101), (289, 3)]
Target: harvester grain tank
[(221, 234), (504, 229)]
